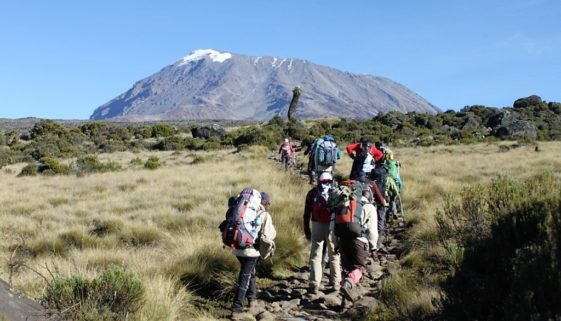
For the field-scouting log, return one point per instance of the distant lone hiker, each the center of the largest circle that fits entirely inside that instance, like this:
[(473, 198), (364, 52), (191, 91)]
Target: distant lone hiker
[(321, 234), (248, 226), (364, 154), (286, 151)]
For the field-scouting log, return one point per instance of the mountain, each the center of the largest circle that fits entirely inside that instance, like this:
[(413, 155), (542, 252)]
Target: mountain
[(209, 84)]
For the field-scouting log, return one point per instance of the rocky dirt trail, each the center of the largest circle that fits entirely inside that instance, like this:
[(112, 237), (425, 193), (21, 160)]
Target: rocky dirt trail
[(289, 300)]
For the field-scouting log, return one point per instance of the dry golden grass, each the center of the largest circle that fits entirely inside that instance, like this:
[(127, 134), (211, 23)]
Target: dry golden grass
[(159, 224), (162, 224)]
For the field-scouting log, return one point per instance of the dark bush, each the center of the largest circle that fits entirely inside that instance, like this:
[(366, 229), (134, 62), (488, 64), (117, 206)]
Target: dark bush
[(505, 238)]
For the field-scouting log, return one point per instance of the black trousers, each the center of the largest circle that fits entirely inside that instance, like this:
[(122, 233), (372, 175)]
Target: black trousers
[(354, 254), (246, 282)]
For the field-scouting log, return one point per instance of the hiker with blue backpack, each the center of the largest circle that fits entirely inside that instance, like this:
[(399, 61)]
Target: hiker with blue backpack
[(353, 203), (249, 231), (321, 234), (323, 155)]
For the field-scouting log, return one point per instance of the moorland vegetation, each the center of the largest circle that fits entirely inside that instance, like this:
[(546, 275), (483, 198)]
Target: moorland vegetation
[(139, 215)]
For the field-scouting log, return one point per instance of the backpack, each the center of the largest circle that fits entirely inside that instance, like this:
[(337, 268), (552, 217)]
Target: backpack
[(345, 202), (326, 153), (379, 175), (242, 225)]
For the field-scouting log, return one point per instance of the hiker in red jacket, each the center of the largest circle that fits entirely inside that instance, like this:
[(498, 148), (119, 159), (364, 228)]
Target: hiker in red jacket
[(285, 151), (364, 154)]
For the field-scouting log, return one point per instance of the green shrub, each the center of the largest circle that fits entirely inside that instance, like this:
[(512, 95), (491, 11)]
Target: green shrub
[(153, 162), (50, 166), (163, 130), (29, 170), (90, 164), (114, 295), (47, 127), (508, 234), (170, 143)]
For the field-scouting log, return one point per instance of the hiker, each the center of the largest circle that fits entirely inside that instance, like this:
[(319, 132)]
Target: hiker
[(379, 176), (393, 168), (363, 155), (321, 234), (326, 154), (286, 151), (356, 227), (311, 162), (394, 183), (246, 230)]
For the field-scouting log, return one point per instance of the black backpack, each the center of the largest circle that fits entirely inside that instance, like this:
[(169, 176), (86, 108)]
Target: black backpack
[(379, 175)]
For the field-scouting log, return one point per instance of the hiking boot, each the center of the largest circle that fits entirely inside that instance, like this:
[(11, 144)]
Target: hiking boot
[(313, 290), (347, 291)]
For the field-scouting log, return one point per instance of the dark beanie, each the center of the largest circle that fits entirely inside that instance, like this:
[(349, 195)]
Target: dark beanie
[(265, 197)]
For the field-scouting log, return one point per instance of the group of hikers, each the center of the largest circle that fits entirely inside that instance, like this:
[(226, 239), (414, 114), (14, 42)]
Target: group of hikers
[(347, 217)]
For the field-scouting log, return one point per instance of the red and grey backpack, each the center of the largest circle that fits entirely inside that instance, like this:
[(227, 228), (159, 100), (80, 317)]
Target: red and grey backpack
[(345, 202), (241, 228)]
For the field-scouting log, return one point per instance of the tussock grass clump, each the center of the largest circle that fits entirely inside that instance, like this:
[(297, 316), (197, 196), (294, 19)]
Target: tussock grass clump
[(102, 227), (141, 235), (207, 272), (114, 295), (137, 161), (153, 162)]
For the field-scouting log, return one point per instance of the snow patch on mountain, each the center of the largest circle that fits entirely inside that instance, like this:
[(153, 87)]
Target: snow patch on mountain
[(199, 54)]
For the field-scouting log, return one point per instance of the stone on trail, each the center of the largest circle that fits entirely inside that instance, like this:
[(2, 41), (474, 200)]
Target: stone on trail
[(361, 308), (265, 316), (332, 299), (287, 305)]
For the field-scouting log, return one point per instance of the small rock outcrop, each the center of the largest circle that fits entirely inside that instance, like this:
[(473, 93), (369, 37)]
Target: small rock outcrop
[(508, 125), (206, 132), (527, 101), (471, 123)]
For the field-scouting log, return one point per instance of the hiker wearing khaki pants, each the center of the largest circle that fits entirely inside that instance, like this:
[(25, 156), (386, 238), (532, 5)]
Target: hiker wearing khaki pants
[(321, 233)]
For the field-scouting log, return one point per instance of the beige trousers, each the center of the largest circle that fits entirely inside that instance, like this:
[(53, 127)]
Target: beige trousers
[(321, 234)]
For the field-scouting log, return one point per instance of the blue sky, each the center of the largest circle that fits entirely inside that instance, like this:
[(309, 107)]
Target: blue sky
[(62, 59)]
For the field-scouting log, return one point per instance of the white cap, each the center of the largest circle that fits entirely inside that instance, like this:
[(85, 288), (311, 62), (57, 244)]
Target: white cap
[(325, 176)]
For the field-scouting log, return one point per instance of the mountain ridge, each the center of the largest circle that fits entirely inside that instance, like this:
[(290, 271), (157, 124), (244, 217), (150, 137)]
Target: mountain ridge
[(208, 84)]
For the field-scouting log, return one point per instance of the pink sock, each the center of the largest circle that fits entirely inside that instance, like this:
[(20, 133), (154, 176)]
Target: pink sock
[(354, 276)]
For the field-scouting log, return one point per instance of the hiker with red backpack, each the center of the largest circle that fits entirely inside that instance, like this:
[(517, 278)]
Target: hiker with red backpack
[(248, 230), (321, 234), (286, 151), (356, 227), (364, 154)]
